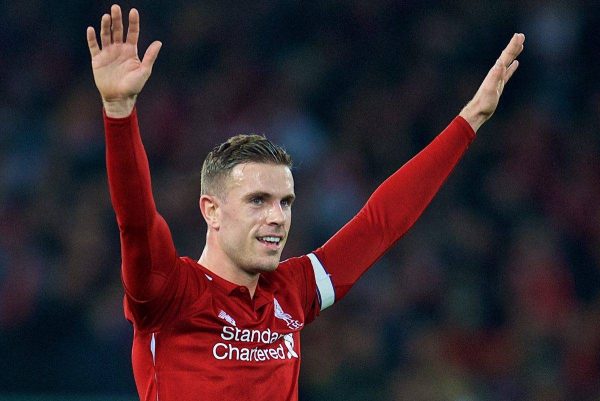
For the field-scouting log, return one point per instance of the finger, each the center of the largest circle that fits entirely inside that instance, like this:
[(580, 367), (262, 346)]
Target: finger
[(133, 31), (151, 55), (494, 75), (105, 30), (117, 23), (511, 70), (92, 42), (513, 49)]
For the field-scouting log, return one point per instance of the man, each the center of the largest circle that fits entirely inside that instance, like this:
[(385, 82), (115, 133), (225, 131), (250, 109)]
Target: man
[(227, 327)]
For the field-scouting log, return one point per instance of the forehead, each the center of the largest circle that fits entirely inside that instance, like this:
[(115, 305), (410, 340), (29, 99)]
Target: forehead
[(269, 178)]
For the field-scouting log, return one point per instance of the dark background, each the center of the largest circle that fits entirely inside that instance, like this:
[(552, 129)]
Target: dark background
[(495, 293)]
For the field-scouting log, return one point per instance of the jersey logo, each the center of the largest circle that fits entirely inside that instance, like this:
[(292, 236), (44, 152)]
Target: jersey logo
[(225, 316), (256, 345), (288, 340), (286, 317)]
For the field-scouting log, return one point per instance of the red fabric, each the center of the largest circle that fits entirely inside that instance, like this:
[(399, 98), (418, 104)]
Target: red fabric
[(211, 340), (393, 208)]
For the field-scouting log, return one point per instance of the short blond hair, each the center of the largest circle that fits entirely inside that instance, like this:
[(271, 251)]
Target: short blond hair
[(236, 150)]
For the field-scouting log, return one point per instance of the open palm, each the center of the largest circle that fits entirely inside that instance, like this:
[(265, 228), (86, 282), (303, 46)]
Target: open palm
[(493, 85), (119, 73), (486, 99)]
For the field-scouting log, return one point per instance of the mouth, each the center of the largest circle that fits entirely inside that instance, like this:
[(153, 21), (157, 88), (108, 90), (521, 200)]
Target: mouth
[(272, 242)]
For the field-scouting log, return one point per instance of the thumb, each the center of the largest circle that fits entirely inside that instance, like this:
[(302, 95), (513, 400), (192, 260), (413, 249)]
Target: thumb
[(151, 55)]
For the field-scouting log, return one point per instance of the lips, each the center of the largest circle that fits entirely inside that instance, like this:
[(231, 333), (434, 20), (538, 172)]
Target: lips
[(271, 241)]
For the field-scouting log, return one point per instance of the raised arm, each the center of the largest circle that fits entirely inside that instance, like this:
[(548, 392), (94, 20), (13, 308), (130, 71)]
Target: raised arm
[(397, 203), (147, 248)]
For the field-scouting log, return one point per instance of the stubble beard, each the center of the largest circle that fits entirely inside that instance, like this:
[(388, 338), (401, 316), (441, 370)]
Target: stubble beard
[(257, 263)]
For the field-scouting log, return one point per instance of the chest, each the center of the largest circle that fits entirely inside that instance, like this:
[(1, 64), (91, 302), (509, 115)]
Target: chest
[(229, 330)]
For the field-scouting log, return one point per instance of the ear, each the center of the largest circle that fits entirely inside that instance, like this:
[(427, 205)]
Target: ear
[(210, 208)]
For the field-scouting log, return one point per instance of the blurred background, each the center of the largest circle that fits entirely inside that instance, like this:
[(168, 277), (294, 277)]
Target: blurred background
[(493, 295)]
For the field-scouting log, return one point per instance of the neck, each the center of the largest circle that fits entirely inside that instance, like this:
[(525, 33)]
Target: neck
[(223, 268)]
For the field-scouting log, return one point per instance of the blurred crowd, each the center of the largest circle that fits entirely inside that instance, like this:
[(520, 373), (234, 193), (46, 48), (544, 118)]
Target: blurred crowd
[(493, 295)]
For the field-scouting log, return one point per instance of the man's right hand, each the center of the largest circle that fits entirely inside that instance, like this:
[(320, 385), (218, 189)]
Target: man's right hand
[(119, 73)]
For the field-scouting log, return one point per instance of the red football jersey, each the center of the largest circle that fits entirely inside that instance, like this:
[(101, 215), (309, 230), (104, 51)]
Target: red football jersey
[(200, 337), (208, 340)]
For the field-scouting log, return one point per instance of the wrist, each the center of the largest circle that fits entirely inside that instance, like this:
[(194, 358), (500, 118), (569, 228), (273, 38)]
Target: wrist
[(120, 108), (473, 115)]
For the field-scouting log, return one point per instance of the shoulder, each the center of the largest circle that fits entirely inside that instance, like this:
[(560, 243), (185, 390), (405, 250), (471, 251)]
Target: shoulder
[(294, 265), (292, 269), (189, 268)]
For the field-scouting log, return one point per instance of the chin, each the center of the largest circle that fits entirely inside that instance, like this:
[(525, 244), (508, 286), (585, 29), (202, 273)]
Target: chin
[(269, 267), (266, 266)]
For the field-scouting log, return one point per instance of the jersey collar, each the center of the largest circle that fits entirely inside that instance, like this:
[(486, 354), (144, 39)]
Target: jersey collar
[(262, 296)]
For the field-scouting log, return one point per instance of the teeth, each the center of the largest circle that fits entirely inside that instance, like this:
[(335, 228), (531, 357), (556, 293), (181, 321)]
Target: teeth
[(274, 240)]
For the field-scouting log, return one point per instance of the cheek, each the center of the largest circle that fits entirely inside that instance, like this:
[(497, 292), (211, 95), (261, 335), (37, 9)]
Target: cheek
[(241, 222)]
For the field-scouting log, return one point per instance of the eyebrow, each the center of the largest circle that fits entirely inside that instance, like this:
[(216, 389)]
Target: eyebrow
[(262, 194)]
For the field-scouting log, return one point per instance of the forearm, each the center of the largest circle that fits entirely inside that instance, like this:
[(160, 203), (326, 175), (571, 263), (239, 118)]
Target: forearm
[(393, 208), (400, 200), (128, 172), (147, 249)]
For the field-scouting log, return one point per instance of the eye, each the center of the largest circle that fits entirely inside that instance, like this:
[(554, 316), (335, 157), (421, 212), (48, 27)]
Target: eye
[(257, 200), (286, 202)]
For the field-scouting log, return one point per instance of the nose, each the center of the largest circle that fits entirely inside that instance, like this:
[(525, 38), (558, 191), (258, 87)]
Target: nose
[(275, 214)]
